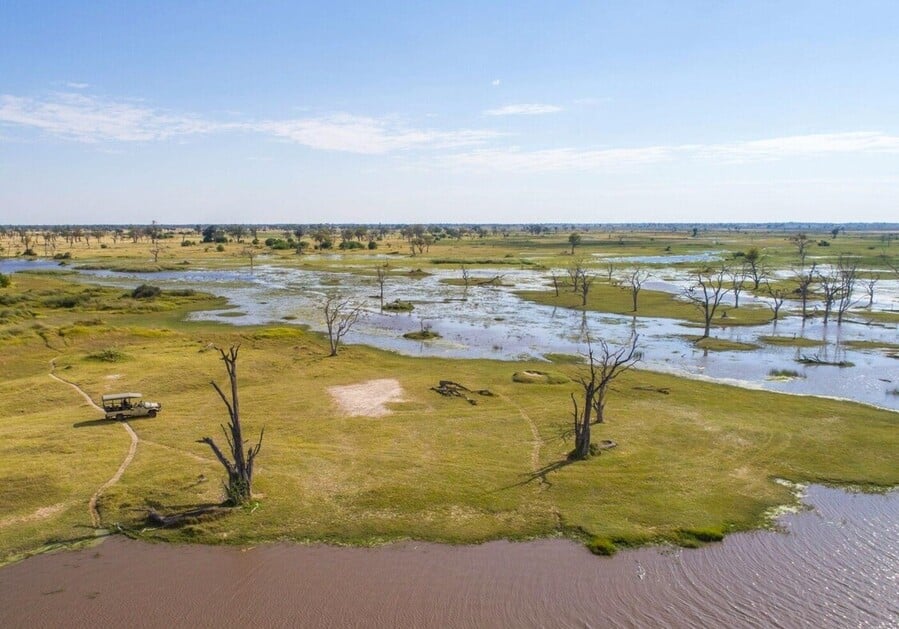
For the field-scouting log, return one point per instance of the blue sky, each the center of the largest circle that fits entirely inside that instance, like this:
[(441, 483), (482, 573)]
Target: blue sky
[(448, 112)]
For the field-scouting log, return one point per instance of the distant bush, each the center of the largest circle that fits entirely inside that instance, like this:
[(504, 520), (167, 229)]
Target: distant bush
[(188, 243), (4, 280), (30, 253), (279, 244), (110, 355), (823, 243), (146, 291), (182, 292), (326, 244), (63, 256), (372, 244), (399, 306), (220, 248), (65, 301), (351, 244), (103, 245)]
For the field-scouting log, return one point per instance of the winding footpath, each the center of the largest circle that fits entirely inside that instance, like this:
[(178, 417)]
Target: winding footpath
[(132, 449)]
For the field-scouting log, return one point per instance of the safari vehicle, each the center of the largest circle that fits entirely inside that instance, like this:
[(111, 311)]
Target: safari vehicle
[(124, 405)]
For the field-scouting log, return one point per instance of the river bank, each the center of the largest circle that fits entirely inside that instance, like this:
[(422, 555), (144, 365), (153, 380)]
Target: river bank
[(833, 566)]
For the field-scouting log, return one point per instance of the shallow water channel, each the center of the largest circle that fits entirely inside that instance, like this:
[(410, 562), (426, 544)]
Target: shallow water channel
[(834, 566), (492, 322)]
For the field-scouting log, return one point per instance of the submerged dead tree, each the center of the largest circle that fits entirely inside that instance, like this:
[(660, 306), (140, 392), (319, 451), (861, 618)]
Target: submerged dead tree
[(707, 292), (602, 368), (240, 465)]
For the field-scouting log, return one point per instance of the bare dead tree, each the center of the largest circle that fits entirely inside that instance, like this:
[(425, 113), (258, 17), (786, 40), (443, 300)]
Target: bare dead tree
[(706, 293), (610, 270), (574, 273), (802, 243), (251, 253), (601, 369), (240, 466), (847, 268), (466, 276), (805, 279), (777, 296), (340, 317), (635, 278), (586, 281), (155, 250), (555, 279), (382, 279), (738, 279), (830, 287), (869, 284)]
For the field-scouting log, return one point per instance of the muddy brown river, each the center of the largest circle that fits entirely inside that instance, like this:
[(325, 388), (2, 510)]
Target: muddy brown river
[(834, 566)]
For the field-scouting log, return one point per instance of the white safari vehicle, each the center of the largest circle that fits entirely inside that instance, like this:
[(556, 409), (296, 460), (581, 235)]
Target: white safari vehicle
[(125, 405)]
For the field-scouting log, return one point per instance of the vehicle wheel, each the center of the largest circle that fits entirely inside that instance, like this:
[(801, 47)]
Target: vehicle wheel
[(151, 413), (120, 417)]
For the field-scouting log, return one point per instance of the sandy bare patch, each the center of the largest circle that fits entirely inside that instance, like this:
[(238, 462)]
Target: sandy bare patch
[(367, 399), (41, 514)]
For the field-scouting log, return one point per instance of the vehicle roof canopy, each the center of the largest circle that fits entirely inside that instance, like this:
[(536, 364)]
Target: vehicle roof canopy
[(120, 396)]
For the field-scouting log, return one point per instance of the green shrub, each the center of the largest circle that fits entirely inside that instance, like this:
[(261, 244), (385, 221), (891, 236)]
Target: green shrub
[(220, 248), (63, 256), (4, 280), (66, 301), (110, 355), (146, 291), (602, 546), (351, 244), (372, 245)]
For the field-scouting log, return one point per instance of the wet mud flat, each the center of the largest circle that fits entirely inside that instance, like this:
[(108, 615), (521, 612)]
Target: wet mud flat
[(834, 566)]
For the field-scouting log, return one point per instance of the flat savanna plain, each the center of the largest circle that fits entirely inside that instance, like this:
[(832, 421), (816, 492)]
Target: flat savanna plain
[(691, 464)]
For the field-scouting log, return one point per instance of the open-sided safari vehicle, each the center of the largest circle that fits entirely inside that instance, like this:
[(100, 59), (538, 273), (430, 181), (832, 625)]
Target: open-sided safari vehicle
[(125, 405)]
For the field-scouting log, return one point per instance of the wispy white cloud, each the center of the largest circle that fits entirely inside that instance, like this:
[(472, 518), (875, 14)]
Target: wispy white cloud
[(360, 134), (518, 160), (560, 159), (77, 86), (495, 82), (90, 119), (523, 109)]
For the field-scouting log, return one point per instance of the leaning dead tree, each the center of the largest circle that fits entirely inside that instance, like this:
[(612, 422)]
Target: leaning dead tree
[(340, 316), (240, 464), (602, 368)]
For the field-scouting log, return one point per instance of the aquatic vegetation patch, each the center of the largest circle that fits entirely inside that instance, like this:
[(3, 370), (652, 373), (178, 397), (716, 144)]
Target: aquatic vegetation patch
[(791, 341), (399, 306), (785, 374)]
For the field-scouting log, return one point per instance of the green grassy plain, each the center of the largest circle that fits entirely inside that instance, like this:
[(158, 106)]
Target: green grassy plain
[(690, 464)]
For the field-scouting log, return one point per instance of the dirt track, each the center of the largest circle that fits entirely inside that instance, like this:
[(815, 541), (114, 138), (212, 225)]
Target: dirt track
[(132, 449)]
